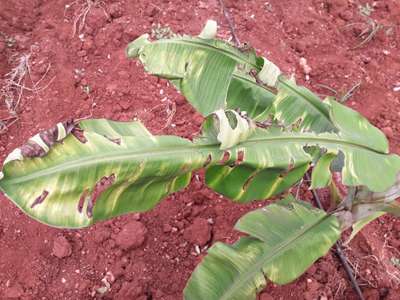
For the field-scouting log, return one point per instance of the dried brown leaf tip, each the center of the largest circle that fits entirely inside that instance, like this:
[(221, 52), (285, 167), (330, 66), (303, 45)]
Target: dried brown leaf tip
[(40, 144)]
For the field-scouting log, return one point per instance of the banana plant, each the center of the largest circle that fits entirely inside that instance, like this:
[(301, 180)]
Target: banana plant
[(261, 134)]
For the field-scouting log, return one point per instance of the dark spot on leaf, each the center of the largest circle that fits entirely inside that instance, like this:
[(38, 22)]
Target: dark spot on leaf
[(78, 133), (208, 161), (82, 200), (289, 206), (115, 141), (103, 184), (49, 137), (40, 199), (225, 158), (240, 157), (248, 181), (31, 149)]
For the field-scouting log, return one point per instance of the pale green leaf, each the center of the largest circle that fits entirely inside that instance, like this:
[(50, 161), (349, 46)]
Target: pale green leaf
[(203, 67), (141, 170), (321, 175), (297, 106), (254, 99), (285, 239)]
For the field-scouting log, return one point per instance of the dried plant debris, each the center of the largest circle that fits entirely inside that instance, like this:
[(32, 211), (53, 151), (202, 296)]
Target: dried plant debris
[(81, 12), (14, 85)]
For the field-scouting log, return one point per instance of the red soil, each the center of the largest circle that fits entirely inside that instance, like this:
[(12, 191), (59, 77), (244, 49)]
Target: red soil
[(38, 262)]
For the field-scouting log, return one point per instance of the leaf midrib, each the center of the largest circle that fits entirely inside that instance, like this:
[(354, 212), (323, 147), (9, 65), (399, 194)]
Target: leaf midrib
[(243, 78), (124, 155), (208, 47), (296, 91), (269, 256)]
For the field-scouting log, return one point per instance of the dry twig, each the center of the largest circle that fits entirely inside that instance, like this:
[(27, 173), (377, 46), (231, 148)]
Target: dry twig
[(230, 23)]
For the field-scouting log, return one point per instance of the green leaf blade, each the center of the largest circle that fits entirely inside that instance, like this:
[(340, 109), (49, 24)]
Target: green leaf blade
[(143, 169), (286, 238), (296, 105)]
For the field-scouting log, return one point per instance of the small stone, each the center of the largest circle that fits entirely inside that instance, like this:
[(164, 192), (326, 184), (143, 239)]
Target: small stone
[(266, 296), (116, 10), (250, 24), (81, 53), (388, 131), (199, 233), (180, 224), (101, 234), (131, 236), (231, 3), (199, 197), (300, 46), (371, 294), (304, 65), (61, 247), (125, 104), (197, 119), (131, 31), (151, 11), (88, 44), (129, 290), (14, 292), (167, 228), (346, 15), (187, 212), (136, 216)]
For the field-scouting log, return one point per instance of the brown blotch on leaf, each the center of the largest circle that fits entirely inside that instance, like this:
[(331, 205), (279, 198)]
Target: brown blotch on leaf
[(103, 184), (248, 181), (82, 200), (40, 199), (31, 149), (49, 137), (78, 133), (225, 158), (240, 157), (208, 161)]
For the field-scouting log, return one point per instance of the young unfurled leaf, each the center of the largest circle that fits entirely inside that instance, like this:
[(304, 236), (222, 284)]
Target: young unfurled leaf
[(321, 176)]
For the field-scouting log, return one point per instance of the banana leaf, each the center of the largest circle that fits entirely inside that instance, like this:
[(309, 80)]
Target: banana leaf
[(210, 73), (285, 238), (71, 177)]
